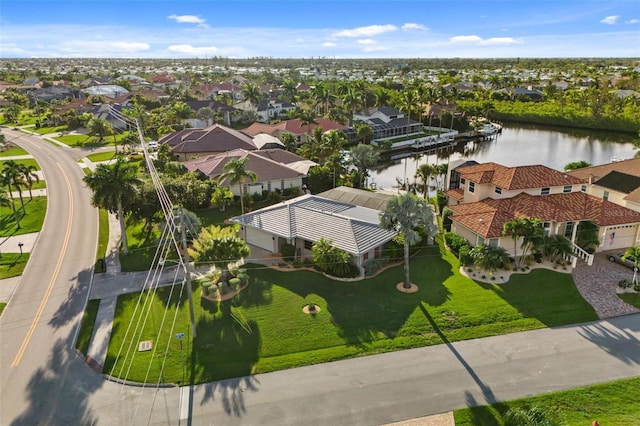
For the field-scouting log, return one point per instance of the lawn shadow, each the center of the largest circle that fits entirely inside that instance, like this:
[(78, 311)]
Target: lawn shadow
[(618, 343), (227, 346), (550, 297), (489, 397)]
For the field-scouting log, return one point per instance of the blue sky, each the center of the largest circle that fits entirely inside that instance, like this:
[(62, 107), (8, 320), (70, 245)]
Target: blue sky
[(319, 28)]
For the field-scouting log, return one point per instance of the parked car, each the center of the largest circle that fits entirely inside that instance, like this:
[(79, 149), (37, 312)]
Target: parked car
[(152, 145), (628, 261), (135, 156)]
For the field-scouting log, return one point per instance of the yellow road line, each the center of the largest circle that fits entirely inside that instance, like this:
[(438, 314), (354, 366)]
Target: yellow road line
[(54, 277)]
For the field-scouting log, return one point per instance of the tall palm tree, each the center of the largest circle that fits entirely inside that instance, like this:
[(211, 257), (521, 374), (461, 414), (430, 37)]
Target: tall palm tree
[(7, 200), (235, 170), (424, 172), (99, 127), (515, 229), (29, 175), (408, 102), (111, 184), (289, 90), (362, 158), (13, 177), (404, 213)]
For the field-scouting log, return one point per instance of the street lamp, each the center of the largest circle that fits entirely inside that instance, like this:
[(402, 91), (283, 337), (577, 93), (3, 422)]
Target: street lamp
[(20, 246)]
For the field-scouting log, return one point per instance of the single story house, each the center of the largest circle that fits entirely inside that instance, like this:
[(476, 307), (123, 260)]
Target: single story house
[(302, 132), (271, 167), (192, 143), (301, 221)]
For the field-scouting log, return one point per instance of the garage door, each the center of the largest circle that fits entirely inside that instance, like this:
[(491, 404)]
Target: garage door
[(260, 239)]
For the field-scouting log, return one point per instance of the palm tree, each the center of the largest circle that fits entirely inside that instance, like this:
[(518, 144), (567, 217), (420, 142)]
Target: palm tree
[(111, 184), (424, 172), (515, 229), (289, 90), (408, 102), (205, 114), (235, 170), (290, 142), (29, 175), (252, 94), (404, 213), (307, 117), (362, 158), (364, 132), (635, 253), (489, 258), (99, 127), (13, 177), (6, 200)]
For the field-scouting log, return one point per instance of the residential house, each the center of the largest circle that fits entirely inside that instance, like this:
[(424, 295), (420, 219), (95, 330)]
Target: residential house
[(273, 109), (220, 109), (617, 182), (386, 123), (302, 132), (51, 93), (271, 167), (190, 143), (350, 226), (107, 90), (483, 197)]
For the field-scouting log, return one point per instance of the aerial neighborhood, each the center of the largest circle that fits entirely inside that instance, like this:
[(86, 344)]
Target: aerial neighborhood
[(234, 218)]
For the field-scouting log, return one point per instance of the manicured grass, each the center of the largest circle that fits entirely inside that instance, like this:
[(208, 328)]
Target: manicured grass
[(11, 152), (31, 219), (264, 329), (86, 327), (86, 140), (12, 264), (48, 130), (611, 403), (25, 161), (86, 170), (2, 306), (103, 235), (631, 299), (101, 156)]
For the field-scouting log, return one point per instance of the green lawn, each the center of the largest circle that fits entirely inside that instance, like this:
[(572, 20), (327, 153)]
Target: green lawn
[(103, 235), (51, 129), (86, 140), (101, 156), (86, 327), (632, 299), (26, 162), (12, 264), (11, 152), (31, 219), (2, 306), (264, 329), (613, 403)]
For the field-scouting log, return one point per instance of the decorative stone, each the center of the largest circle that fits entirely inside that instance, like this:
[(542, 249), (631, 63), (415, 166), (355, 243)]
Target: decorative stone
[(145, 345)]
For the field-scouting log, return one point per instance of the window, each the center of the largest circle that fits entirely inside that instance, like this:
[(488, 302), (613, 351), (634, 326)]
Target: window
[(269, 186), (376, 253), (493, 242), (308, 244), (605, 195), (472, 187), (244, 188), (544, 191), (583, 188), (282, 184), (568, 229), (567, 188), (498, 190), (462, 181), (480, 240), (365, 257), (547, 228)]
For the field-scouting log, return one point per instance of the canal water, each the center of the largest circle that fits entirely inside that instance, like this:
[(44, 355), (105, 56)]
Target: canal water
[(516, 146)]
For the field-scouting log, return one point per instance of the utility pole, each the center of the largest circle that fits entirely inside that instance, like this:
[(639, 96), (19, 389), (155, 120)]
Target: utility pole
[(187, 273)]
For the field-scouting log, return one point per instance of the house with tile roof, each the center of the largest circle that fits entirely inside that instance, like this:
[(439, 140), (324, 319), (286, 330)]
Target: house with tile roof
[(302, 132), (274, 170), (618, 182), (191, 143), (303, 220), (483, 197)]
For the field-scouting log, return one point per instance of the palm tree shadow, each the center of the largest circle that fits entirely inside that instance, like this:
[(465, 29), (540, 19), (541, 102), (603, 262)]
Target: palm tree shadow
[(486, 390), (72, 307), (620, 344)]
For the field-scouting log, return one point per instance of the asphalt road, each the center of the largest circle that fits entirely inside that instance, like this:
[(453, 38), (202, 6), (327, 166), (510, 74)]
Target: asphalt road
[(43, 381), (38, 325)]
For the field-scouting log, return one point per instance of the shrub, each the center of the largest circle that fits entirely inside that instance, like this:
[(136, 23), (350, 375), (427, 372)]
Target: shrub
[(223, 286), (636, 287), (446, 218), (465, 255), (274, 197), (234, 283), (441, 199), (330, 259), (455, 241), (288, 251), (372, 266), (394, 249), (257, 196), (624, 283)]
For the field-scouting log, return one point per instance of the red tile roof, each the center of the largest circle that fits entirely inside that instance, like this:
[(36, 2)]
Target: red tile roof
[(216, 138), (487, 217), (520, 177), (630, 167), (293, 126)]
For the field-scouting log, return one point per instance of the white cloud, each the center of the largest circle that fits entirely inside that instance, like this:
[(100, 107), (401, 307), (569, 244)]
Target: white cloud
[(187, 49), (610, 20), (374, 49), (186, 19), (412, 26), (477, 40), (366, 41), (328, 44), (369, 31), (633, 21)]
